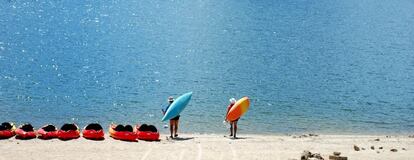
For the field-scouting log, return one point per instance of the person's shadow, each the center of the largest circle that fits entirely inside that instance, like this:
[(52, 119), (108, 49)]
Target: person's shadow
[(182, 138), (237, 138), (240, 138)]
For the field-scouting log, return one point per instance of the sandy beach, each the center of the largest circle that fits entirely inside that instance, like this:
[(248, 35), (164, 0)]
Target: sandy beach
[(203, 147)]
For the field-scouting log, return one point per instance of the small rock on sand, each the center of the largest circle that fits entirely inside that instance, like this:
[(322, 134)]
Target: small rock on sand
[(305, 155), (363, 148), (403, 149), (337, 156), (317, 156), (393, 150), (356, 148), (377, 139), (313, 135), (372, 147), (381, 147)]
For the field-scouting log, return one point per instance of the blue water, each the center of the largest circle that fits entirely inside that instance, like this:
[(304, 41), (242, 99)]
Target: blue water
[(309, 66)]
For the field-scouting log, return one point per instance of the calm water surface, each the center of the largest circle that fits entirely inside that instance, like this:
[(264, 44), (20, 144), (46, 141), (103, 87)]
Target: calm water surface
[(309, 66)]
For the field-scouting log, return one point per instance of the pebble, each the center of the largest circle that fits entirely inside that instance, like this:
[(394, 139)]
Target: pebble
[(313, 135), (393, 150), (377, 139), (403, 149), (362, 148), (381, 147), (356, 148), (372, 147), (337, 153), (334, 157)]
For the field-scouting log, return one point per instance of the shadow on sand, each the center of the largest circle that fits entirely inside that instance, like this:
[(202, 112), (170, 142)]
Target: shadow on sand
[(238, 138), (182, 138)]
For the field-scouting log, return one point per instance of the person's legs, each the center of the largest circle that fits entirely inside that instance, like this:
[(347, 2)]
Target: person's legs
[(235, 128), (176, 128), (231, 129), (171, 127)]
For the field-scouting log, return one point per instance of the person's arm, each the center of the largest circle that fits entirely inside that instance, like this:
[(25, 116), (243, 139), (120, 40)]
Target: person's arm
[(162, 110), (165, 110)]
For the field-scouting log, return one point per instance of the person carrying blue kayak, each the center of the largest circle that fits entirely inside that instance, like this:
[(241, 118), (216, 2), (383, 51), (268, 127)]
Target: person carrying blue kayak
[(173, 121)]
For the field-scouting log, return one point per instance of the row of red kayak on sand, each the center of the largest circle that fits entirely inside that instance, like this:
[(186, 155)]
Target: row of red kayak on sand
[(92, 131)]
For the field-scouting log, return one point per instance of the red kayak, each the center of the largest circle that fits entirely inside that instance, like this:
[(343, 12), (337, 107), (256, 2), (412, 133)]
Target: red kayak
[(68, 132), (7, 130), (25, 131), (147, 133), (125, 133), (47, 132), (93, 131)]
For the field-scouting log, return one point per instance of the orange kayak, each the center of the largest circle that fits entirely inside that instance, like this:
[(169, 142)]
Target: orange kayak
[(25, 131), (93, 131), (147, 133), (120, 132), (238, 109), (47, 132), (68, 132)]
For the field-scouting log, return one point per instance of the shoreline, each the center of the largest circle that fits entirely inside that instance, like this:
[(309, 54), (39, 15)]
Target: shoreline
[(212, 146)]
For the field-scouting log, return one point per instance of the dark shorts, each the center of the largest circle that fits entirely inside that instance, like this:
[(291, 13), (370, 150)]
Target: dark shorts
[(175, 118), (235, 120)]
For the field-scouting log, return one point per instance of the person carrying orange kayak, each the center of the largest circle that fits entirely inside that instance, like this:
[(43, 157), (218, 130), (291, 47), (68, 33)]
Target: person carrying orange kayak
[(233, 124)]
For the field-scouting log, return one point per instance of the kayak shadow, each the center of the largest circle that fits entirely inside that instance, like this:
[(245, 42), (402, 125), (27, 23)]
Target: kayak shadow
[(70, 139), (24, 139), (89, 139), (5, 138)]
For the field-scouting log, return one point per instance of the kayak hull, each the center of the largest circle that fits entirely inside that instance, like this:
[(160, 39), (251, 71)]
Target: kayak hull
[(177, 106), (42, 134), (238, 109), (148, 136), (93, 134), (6, 134), (21, 134), (68, 135)]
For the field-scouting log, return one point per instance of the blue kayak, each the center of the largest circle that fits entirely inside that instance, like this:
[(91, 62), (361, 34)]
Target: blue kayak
[(177, 106)]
